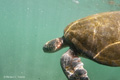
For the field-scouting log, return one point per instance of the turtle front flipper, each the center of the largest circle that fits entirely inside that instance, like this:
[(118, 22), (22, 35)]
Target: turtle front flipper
[(73, 67)]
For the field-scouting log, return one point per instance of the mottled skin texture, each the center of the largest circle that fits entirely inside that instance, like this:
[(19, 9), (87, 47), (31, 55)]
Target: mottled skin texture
[(72, 66), (96, 37)]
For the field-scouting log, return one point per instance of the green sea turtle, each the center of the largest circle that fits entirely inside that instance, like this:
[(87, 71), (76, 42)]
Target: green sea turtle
[(96, 37)]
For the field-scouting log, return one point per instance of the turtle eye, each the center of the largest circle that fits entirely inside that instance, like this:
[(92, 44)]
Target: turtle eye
[(51, 47)]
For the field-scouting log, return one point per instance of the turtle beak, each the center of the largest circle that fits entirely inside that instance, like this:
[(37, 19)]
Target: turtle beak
[(48, 47), (45, 48)]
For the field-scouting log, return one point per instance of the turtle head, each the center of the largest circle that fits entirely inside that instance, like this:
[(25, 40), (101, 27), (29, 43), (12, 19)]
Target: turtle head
[(53, 45)]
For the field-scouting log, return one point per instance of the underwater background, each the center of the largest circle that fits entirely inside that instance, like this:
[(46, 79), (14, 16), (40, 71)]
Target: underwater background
[(26, 25)]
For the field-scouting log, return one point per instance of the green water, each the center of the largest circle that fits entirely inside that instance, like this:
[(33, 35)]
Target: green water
[(26, 25)]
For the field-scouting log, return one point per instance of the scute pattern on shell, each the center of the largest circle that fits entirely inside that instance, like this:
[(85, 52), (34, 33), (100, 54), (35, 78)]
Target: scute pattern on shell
[(96, 37)]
